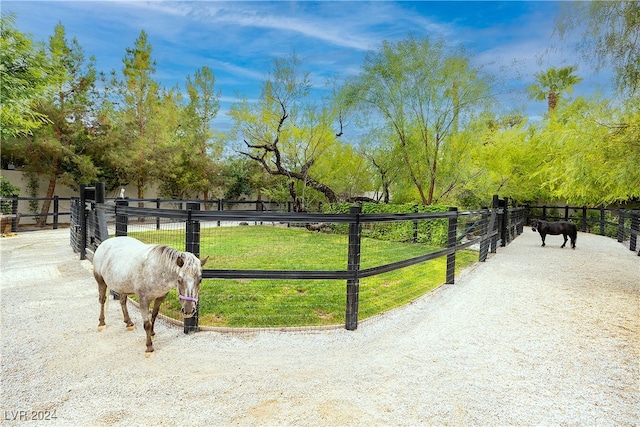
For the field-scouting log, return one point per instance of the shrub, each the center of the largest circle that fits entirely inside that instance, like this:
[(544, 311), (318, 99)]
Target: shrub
[(7, 190), (432, 232)]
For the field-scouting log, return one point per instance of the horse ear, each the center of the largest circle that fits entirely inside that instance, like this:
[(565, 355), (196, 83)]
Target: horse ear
[(180, 261), (204, 261)]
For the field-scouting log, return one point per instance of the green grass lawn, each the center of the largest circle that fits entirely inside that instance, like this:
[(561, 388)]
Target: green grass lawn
[(281, 303)]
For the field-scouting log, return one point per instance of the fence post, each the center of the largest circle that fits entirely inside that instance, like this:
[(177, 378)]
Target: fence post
[(415, 226), (566, 213), (484, 243), (621, 226), (451, 243), (83, 221), (99, 192), (504, 223), (192, 241), (192, 244), (602, 220), (14, 214), (56, 205), (494, 224), (584, 219), (353, 266), (122, 220), (508, 225), (158, 218), (635, 226)]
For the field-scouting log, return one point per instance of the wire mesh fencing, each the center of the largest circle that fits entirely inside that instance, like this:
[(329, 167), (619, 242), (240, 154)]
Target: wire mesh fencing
[(284, 270)]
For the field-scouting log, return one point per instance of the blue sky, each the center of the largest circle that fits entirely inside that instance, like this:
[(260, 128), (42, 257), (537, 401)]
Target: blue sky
[(238, 40)]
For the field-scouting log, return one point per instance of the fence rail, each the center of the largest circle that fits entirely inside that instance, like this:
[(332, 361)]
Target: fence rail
[(61, 207), (16, 213)]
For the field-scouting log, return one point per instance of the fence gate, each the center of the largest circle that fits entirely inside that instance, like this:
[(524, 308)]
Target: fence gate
[(88, 223)]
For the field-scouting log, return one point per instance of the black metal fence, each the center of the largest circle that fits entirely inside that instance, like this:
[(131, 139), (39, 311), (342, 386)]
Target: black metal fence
[(14, 203), (196, 230), (62, 207)]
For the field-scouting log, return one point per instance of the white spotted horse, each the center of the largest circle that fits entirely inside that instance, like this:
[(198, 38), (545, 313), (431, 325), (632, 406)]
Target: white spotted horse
[(128, 266)]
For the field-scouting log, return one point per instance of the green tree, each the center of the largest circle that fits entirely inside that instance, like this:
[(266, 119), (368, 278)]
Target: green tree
[(610, 35), (608, 171), (242, 176), (24, 77), (203, 146), (604, 170), (423, 93), (504, 162), (61, 148), (141, 120), (285, 132), (378, 148), (551, 84)]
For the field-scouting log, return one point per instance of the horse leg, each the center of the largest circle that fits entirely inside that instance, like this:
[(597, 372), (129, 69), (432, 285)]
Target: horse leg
[(146, 317), (543, 235), (125, 312), (102, 298), (565, 240), (156, 308)]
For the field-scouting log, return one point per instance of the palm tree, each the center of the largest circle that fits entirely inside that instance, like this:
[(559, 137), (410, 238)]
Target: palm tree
[(552, 83)]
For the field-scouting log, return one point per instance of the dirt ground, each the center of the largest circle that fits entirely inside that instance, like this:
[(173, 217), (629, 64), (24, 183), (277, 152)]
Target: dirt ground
[(533, 336)]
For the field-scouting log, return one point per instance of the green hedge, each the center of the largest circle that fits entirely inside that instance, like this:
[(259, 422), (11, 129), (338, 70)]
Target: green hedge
[(432, 232)]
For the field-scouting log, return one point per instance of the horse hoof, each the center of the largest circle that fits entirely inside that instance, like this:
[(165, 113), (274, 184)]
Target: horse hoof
[(148, 354), (102, 328), (131, 327)]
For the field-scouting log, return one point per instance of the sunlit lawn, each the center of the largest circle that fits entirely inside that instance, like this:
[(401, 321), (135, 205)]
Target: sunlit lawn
[(279, 303)]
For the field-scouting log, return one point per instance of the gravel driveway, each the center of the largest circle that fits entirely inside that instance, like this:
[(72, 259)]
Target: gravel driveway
[(534, 336)]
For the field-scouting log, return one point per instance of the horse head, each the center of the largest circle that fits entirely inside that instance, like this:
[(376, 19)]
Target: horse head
[(534, 225), (189, 279)]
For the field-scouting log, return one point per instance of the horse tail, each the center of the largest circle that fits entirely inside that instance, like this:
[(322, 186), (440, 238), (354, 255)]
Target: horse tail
[(573, 235)]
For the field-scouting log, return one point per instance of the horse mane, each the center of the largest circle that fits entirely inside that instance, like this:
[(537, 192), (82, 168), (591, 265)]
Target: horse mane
[(168, 256)]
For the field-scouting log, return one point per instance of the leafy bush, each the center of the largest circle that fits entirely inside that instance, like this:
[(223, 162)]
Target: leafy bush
[(432, 232), (7, 190)]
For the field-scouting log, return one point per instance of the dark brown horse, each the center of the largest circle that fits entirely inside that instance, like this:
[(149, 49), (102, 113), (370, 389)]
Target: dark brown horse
[(556, 228)]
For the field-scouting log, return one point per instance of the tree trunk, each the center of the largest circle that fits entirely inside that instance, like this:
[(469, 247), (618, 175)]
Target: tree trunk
[(432, 187), (46, 205), (140, 192), (141, 196), (413, 176), (385, 187), (553, 101), (297, 202), (456, 106)]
